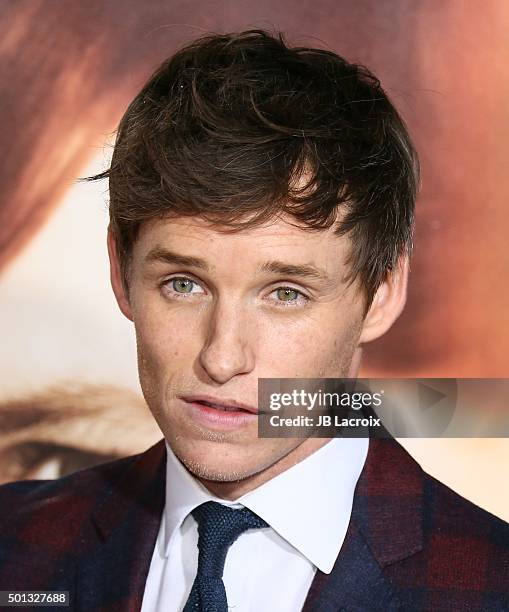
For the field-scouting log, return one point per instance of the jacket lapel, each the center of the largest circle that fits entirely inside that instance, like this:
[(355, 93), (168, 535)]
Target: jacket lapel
[(356, 582), (385, 527), (113, 569)]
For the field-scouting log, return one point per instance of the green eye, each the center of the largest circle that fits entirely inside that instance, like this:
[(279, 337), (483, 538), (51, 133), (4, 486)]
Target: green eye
[(182, 285), (286, 294)]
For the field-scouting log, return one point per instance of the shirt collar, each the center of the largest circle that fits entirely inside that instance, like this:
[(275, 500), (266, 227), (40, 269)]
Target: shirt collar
[(297, 503)]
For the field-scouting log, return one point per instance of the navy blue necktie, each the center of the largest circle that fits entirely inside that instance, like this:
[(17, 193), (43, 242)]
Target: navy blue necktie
[(218, 528)]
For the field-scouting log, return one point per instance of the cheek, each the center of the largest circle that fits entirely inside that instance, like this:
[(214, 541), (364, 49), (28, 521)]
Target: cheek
[(317, 346), (165, 350), (163, 333), (149, 369)]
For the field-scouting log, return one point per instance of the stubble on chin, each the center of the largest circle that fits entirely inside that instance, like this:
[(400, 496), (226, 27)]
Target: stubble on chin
[(204, 471), (208, 469)]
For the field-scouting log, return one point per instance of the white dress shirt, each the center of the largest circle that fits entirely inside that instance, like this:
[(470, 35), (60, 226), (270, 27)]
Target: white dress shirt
[(308, 509)]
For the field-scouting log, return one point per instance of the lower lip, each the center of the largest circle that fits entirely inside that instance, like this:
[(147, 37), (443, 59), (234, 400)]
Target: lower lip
[(220, 419)]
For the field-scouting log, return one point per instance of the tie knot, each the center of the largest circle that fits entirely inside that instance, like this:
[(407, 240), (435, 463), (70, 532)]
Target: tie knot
[(218, 527)]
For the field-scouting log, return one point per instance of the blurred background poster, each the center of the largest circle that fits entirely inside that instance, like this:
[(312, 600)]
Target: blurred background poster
[(69, 393)]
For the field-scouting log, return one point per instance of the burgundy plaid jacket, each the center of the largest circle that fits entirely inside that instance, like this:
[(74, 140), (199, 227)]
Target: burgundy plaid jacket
[(412, 543)]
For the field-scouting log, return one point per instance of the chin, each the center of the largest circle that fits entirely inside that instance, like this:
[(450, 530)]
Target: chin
[(211, 461), (217, 471)]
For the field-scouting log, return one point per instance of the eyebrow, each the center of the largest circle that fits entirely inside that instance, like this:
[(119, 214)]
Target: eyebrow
[(162, 255), (301, 270)]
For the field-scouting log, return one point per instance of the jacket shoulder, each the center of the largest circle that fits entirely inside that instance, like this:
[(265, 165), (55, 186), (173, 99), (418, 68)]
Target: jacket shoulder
[(464, 562), (448, 515), (50, 507)]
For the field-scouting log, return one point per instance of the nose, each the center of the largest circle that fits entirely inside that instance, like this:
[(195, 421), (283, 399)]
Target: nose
[(227, 350)]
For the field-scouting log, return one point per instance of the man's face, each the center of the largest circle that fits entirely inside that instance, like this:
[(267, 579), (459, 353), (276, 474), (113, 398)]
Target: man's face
[(213, 312)]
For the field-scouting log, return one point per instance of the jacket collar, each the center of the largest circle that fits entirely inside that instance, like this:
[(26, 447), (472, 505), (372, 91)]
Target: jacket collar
[(139, 487), (388, 502)]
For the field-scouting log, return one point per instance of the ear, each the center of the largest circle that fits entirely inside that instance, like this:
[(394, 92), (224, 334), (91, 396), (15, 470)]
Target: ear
[(387, 304), (116, 277)]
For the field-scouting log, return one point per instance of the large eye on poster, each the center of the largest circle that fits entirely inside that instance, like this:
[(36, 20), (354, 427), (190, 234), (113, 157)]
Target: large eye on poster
[(266, 242)]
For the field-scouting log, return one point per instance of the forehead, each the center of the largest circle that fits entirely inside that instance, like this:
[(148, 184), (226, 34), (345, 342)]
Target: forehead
[(282, 236)]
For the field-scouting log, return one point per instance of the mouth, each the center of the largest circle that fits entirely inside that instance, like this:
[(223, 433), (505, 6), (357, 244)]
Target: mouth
[(220, 414), (227, 405)]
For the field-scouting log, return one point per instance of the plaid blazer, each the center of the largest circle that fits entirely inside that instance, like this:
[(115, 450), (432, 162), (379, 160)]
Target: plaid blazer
[(412, 543)]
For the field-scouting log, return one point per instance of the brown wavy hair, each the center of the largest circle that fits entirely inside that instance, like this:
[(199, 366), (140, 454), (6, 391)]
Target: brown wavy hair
[(239, 128)]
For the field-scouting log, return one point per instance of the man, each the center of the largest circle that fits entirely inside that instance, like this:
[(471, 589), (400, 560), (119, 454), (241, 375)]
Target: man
[(261, 209)]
